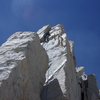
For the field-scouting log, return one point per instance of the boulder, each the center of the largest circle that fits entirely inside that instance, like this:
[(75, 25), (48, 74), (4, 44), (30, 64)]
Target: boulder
[(23, 63)]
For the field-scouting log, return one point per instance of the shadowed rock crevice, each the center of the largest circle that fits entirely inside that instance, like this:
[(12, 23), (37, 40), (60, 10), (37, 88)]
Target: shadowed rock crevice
[(48, 92)]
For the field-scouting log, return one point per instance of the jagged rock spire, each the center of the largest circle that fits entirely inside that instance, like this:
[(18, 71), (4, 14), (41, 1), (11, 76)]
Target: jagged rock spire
[(31, 67)]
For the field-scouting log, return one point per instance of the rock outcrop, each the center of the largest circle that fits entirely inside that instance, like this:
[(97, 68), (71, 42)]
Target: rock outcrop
[(92, 90), (64, 81), (61, 80), (42, 66), (22, 72), (88, 85)]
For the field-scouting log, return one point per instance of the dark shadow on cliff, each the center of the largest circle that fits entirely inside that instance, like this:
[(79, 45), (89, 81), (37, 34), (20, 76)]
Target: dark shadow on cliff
[(52, 91)]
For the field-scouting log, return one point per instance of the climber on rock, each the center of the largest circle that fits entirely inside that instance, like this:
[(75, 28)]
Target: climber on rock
[(46, 36)]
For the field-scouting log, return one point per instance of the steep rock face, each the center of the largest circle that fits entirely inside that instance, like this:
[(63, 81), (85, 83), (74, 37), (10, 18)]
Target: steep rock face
[(92, 91), (26, 73), (88, 85), (99, 94), (61, 80), (23, 63)]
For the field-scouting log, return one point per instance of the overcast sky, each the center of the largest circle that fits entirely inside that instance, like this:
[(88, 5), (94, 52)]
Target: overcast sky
[(81, 19)]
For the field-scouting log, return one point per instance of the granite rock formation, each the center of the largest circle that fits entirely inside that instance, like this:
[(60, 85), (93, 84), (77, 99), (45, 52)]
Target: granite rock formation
[(22, 72), (41, 66), (61, 73), (64, 81)]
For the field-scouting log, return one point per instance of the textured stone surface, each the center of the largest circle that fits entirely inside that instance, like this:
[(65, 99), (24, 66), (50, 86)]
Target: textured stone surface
[(93, 92), (34, 69), (61, 80), (23, 63), (87, 85), (80, 71)]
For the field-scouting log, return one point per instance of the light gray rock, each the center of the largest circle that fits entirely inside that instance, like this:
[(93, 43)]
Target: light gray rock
[(80, 71), (43, 30), (61, 79), (34, 69), (23, 63)]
